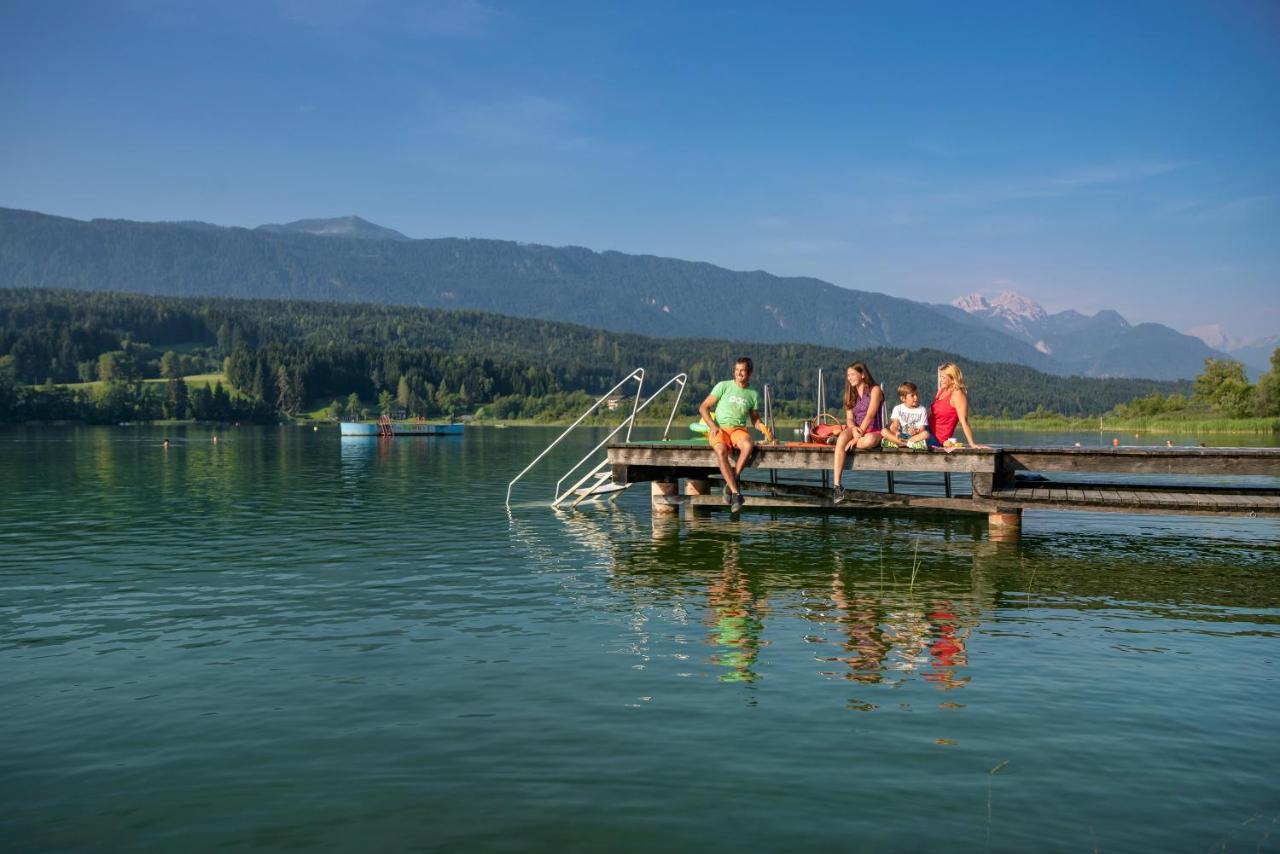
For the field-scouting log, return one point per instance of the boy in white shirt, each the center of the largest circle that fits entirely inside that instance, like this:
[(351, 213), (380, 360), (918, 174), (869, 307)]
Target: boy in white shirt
[(908, 423)]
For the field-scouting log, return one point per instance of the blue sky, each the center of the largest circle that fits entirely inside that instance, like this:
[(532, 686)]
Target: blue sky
[(1088, 155)]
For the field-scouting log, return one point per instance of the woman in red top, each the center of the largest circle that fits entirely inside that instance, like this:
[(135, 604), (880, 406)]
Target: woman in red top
[(951, 407)]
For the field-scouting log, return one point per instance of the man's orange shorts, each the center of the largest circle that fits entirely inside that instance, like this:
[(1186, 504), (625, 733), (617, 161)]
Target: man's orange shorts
[(732, 435)]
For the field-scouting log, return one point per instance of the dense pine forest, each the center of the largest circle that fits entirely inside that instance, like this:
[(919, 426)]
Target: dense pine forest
[(69, 355)]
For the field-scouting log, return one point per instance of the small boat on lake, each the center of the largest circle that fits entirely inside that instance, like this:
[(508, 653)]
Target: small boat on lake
[(384, 426)]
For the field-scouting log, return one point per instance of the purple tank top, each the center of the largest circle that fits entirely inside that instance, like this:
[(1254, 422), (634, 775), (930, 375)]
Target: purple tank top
[(860, 411)]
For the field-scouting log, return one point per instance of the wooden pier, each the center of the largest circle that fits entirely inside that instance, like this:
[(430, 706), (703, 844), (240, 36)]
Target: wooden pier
[(1000, 482)]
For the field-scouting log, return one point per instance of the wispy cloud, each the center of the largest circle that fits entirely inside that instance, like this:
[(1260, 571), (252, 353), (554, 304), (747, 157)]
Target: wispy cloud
[(894, 198), (431, 17), (511, 137), (802, 246), (1220, 209), (452, 18), (1095, 176), (531, 124), (349, 19)]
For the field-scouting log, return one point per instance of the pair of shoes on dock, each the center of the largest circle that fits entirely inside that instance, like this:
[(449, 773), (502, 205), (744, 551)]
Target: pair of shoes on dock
[(919, 445)]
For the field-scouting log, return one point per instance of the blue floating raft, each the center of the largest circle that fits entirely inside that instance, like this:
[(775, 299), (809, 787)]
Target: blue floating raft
[(400, 428)]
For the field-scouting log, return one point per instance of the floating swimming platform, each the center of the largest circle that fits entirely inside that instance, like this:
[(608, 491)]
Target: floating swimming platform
[(387, 427)]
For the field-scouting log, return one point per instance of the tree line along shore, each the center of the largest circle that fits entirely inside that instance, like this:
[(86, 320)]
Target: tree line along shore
[(112, 357)]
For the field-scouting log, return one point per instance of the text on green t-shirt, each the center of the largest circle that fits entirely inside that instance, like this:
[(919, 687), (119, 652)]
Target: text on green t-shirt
[(734, 404)]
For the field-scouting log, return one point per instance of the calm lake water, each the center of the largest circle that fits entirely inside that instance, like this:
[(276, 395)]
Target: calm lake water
[(287, 640)]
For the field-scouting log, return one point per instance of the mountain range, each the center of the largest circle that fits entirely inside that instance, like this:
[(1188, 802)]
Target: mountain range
[(1255, 353), (1102, 344), (351, 260)]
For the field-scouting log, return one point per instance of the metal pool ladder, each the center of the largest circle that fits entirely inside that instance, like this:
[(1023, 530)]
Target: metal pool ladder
[(597, 474)]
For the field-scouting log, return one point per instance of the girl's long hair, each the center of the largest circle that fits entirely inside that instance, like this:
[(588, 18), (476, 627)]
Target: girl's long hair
[(850, 395), (952, 370)]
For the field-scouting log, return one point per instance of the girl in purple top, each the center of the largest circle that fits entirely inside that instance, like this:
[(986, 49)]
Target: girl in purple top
[(862, 400)]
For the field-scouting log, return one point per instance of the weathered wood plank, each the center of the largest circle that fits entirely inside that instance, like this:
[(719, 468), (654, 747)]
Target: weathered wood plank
[(1163, 461), (1164, 502), (807, 457), (1173, 461)]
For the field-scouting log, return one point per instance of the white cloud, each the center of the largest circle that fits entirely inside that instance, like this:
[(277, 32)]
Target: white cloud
[(1097, 176), (771, 223)]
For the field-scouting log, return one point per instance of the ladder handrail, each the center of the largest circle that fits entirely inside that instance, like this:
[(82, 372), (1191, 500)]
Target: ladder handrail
[(679, 394), (637, 374), (768, 411), (681, 378)]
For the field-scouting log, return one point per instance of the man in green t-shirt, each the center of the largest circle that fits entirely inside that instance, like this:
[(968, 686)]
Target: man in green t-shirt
[(736, 405)]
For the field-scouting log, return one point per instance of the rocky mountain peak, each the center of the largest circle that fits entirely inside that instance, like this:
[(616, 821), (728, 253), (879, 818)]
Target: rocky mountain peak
[(1211, 334), (1008, 305), (342, 226), (973, 303), (1014, 305)]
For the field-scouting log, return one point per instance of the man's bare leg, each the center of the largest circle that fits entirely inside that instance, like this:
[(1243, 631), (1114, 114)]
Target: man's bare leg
[(745, 447), (726, 470)]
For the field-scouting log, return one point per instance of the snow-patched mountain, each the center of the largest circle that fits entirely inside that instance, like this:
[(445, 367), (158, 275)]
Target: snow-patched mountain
[(1255, 353), (1099, 345), (1011, 312)]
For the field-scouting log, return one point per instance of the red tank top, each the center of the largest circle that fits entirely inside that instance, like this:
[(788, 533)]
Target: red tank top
[(943, 416)]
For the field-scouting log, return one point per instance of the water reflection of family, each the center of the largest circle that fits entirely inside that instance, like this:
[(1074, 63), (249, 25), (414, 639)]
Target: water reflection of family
[(883, 631), (882, 638), (736, 615)]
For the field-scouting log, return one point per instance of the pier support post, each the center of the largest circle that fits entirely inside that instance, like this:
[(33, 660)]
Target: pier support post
[(665, 496), (697, 486), (982, 484), (1005, 524)]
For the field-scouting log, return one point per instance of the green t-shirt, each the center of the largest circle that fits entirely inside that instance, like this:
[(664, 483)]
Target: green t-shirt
[(733, 404)]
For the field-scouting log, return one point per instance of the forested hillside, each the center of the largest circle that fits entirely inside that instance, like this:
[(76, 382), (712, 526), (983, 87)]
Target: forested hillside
[(642, 294), (287, 356)]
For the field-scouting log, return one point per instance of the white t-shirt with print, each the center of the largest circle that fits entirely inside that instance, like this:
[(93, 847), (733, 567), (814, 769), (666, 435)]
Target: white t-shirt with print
[(911, 419)]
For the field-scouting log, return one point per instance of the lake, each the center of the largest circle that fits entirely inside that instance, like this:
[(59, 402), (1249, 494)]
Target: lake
[(287, 640)]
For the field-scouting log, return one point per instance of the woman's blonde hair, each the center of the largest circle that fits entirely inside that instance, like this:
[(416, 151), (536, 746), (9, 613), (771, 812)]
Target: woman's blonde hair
[(952, 370)]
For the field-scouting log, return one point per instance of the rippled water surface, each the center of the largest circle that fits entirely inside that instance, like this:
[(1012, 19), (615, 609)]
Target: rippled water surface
[(288, 640)]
